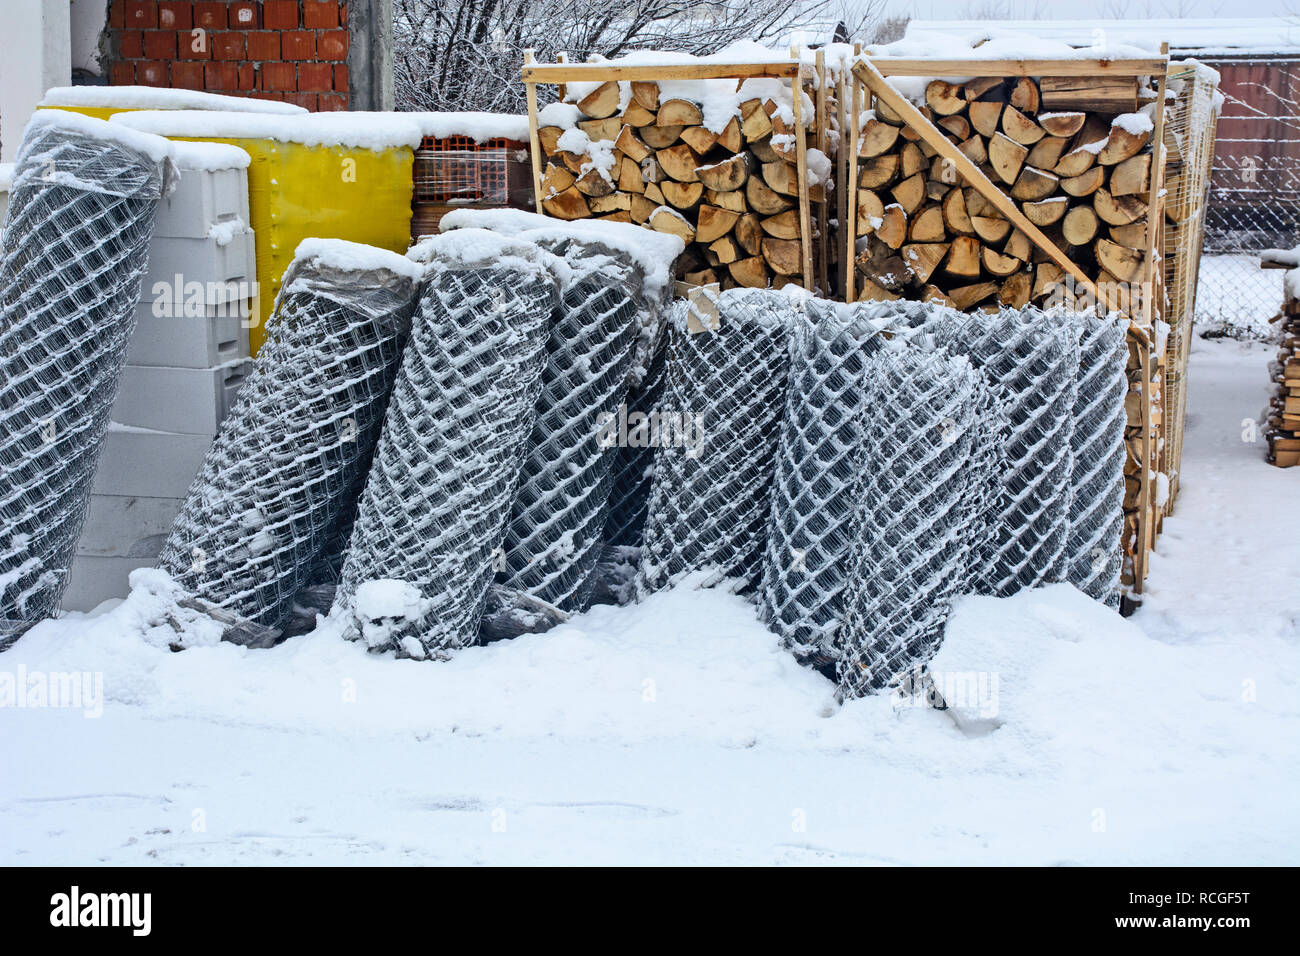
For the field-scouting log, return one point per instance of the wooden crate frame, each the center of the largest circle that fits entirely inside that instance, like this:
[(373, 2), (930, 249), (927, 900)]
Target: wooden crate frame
[(870, 81), (797, 72)]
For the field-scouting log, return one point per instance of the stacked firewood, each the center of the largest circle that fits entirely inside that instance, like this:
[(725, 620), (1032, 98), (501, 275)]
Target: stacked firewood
[(732, 194), (1073, 153), (1283, 429)]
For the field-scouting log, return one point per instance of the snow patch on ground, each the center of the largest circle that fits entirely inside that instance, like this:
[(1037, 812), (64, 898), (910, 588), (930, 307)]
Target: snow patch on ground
[(679, 731)]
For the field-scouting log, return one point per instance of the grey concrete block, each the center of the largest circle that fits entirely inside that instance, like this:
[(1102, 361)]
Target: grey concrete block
[(127, 526), (94, 580), (187, 341), (191, 401), (149, 464), (181, 268)]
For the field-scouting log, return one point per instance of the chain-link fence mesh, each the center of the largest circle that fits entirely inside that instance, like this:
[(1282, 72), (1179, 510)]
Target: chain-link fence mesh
[(1254, 193), (553, 540), (816, 471), (911, 538), (279, 483), (434, 511), (76, 245), (1032, 360), (725, 397), (1094, 552)]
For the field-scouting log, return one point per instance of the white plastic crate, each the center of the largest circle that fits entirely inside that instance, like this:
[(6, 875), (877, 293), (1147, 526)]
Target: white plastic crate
[(203, 341), (202, 199), (219, 271), (191, 401), (149, 464)]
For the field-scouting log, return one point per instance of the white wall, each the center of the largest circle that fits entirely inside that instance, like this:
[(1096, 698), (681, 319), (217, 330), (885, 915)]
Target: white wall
[(89, 17), (35, 54)]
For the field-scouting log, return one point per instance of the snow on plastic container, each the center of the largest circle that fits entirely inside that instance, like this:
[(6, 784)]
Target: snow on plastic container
[(314, 175), (102, 102)]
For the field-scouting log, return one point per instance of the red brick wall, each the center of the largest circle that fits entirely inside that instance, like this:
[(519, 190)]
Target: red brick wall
[(292, 50)]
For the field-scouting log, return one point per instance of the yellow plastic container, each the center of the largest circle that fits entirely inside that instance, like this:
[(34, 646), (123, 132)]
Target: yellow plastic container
[(298, 192), (305, 190)]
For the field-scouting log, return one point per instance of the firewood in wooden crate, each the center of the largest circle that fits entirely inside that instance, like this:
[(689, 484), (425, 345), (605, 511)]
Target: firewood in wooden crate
[(732, 194), (1282, 429), (1071, 152)]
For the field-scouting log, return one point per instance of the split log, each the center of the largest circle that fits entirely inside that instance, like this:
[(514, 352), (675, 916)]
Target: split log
[(682, 195), (892, 230), (1101, 94), (725, 176), (712, 222), (1080, 226), (945, 98), (678, 113), (1045, 212), (785, 256), (963, 257), (667, 220), (784, 225), (679, 162), (1007, 157), (600, 102), (764, 200)]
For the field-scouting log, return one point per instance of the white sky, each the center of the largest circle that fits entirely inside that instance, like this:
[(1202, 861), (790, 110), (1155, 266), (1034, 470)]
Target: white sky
[(1083, 9)]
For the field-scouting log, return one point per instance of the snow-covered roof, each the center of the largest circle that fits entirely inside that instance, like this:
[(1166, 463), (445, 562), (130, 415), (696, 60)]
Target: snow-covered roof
[(1253, 35)]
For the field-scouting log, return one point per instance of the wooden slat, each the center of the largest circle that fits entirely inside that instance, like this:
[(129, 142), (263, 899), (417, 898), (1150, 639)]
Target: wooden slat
[(847, 165), (591, 72), (823, 271), (534, 145), (898, 66), (868, 74), (801, 165), (851, 221)]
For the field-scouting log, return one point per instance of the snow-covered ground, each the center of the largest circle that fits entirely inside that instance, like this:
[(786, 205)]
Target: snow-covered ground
[(677, 732)]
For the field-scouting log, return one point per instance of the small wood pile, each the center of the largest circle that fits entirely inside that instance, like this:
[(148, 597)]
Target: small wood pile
[(733, 195), (1053, 144), (1283, 429)]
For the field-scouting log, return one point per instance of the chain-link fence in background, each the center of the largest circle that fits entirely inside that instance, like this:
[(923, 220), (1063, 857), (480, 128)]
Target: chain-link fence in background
[(1254, 197), (279, 484), (76, 245), (719, 424), (436, 503)]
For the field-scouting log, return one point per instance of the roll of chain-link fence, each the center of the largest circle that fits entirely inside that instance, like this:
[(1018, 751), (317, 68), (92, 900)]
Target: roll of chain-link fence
[(911, 537), (280, 480), (432, 518), (76, 246), (1032, 362), (553, 540), (725, 397), (816, 470), (1095, 558)]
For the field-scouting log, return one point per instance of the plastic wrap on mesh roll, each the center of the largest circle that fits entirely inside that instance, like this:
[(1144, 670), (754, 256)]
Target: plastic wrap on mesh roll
[(1097, 505), (910, 533), (816, 462), (284, 471), (432, 518), (553, 539), (76, 244), (652, 254), (723, 402), (1032, 361)]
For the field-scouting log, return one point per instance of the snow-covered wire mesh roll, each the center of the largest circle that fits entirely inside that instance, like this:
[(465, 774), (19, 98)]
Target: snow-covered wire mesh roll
[(909, 553), (1097, 506), (553, 540), (432, 519), (725, 392), (1032, 362), (816, 473), (76, 246), (280, 480)]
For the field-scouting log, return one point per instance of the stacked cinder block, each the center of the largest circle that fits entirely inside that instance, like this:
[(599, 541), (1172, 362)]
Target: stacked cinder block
[(185, 363)]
